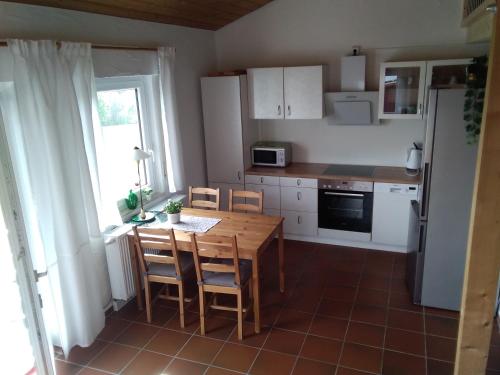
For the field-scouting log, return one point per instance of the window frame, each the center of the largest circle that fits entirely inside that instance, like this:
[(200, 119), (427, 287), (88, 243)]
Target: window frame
[(151, 131)]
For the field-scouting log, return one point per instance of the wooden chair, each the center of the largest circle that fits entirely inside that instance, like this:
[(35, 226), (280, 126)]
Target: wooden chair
[(246, 207), (160, 262), (194, 203), (229, 275)]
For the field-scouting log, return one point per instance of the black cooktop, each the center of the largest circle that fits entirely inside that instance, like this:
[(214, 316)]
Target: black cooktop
[(350, 170)]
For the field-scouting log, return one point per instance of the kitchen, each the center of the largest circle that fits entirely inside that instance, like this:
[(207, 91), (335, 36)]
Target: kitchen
[(355, 205), (349, 117)]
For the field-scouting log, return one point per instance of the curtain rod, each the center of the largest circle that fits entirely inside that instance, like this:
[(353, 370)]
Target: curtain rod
[(3, 43)]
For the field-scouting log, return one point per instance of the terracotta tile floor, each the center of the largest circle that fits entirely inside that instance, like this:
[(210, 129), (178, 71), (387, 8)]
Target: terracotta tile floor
[(345, 312)]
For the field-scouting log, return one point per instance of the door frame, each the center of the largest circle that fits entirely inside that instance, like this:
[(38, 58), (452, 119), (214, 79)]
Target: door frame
[(10, 207), (482, 267)]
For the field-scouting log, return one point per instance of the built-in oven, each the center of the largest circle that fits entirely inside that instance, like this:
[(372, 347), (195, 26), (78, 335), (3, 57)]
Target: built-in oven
[(345, 205)]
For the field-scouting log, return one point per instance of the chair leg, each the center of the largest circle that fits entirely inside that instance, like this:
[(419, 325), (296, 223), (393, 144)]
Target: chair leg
[(147, 292), (181, 304), (202, 310), (240, 315)]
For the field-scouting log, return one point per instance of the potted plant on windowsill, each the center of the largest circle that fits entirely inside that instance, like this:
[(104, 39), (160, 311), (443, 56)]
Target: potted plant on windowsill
[(173, 210)]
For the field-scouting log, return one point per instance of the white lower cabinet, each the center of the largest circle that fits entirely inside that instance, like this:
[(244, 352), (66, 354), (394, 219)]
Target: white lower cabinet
[(298, 199), (272, 198), (300, 223), (391, 213), (224, 192)]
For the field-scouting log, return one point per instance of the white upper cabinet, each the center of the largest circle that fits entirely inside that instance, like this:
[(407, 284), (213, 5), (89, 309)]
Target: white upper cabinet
[(285, 93), (303, 92), (222, 118), (265, 93), (402, 89)]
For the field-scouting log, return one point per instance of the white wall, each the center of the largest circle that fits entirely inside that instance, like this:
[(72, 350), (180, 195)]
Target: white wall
[(298, 32), (195, 58)]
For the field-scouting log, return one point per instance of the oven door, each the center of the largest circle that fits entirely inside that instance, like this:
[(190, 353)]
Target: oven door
[(261, 156), (345, 210)]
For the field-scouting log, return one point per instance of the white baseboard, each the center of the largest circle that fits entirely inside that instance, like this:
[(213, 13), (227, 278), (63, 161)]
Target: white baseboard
[(360, 244)]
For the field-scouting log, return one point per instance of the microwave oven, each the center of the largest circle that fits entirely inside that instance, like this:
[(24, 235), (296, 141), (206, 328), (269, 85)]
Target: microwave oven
[(272, 154)]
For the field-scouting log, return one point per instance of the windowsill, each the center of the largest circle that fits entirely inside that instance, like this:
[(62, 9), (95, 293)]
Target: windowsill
[(157, 203)]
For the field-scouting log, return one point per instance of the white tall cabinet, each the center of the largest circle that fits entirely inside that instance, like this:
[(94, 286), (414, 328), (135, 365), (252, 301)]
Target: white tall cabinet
[(228, 132)]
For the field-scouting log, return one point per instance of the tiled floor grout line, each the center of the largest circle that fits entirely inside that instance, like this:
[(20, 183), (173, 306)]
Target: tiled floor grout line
[(309, 328), (221, 347), (387, 315), (425, 342), (350, 315), (100, 351), (294, 287)]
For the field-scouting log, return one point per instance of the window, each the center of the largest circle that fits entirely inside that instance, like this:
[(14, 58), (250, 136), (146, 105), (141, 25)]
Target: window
[(130, 116), (121, 128)]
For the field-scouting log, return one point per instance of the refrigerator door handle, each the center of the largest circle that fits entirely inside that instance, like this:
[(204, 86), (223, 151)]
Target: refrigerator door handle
[(422, 232), (425, 193)]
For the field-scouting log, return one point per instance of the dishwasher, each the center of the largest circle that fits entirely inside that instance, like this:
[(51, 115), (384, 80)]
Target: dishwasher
[(391, 212)]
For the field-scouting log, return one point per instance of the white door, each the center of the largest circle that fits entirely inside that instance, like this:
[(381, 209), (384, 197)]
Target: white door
[(265, 93), (303, 92), (28, 349), (224, 193), (223, 128)]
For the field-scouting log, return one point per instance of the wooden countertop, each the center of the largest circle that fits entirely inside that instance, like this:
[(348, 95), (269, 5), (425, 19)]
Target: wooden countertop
[(315, 170)]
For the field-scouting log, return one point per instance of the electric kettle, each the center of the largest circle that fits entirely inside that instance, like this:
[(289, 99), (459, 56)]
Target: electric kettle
[(414, 159)]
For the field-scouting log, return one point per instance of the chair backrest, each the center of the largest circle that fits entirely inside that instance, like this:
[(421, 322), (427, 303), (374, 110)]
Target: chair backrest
[(163, 246), (246, 207), (219, 247), (197, 203)]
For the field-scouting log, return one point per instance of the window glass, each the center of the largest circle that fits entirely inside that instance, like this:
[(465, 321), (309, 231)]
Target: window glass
[(120, 117)]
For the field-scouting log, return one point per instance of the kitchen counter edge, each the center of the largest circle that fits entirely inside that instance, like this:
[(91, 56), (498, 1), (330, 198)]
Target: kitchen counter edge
[(395, 175)]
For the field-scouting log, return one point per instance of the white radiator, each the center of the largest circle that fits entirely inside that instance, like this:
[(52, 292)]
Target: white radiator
[(119, 266)]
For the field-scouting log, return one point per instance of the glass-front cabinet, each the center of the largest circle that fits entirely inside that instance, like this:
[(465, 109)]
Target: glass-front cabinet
[(402, 88)]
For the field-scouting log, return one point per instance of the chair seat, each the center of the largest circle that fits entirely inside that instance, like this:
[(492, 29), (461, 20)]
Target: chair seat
[(160, 269), (226, 278)]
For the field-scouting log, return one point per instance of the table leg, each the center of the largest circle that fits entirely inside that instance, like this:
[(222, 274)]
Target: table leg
[(256, 292), (281, 256), (136, 273)]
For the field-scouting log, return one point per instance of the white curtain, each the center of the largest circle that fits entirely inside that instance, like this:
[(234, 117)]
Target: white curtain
[(171, 127), (53, 93)]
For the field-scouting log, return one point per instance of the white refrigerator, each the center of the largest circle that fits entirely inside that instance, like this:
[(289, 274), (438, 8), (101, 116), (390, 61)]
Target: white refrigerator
[(439, 225)]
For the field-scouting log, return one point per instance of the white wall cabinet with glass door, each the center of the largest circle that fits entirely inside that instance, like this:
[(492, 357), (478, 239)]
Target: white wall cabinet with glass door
[(228, 132), (404, 86), (402, 90), (286, 93)]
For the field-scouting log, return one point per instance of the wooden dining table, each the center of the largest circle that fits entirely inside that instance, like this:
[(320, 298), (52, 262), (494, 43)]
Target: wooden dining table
[(254, 233)]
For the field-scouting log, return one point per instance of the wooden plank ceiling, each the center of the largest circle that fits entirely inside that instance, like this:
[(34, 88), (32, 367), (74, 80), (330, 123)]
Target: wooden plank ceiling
[(201, 14)]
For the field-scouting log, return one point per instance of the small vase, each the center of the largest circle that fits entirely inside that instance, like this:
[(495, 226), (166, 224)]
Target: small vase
[(174, 218)]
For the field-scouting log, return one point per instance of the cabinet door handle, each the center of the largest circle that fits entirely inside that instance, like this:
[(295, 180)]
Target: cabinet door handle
[(299, 220), (299, 195), (420, 109), (289, 110), (239, 176), (299, 181), (279, 110), (262, 180)]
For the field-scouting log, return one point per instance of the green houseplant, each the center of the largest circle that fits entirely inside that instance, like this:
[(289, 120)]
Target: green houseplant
[(173, 210), (474, 97)]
